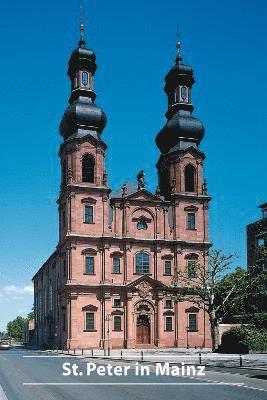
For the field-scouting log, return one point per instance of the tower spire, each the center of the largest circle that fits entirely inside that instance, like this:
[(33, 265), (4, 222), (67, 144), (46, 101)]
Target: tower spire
[(82, 26), (178, 59)]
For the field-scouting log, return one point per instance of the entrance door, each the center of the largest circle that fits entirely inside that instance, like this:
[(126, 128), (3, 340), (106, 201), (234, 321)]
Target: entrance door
[(143, 330)]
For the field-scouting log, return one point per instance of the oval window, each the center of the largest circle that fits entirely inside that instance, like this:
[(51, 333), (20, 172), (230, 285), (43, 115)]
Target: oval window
[(85, 78)]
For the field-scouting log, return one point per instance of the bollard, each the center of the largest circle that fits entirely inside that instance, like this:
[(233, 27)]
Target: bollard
[(68, 350), (74, 351), (200, 360), (82, 352), (142, 355), (240, 360), (92, 353), (121, 354), (62, 350)]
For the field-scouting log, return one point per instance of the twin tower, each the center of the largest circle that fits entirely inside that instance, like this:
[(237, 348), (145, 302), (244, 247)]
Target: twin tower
[(110, 281)]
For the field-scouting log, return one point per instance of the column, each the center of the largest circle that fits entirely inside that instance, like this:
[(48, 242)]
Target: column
[(160, 320), (130, 327)]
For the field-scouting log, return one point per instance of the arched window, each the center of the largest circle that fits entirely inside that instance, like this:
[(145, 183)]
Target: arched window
[(142, 263), (88, 168), (64, 172), (190, 178)]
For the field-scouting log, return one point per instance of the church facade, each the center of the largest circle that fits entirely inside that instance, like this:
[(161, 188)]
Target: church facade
[(112, 280)]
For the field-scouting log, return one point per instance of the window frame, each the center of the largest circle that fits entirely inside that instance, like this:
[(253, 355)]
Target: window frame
[(190, 275), (191, 224), (86, 207), (170, 306), (88, 176), (195, 322), (117, 299), (190, 181), (87, 257), (170, 267), (168, 326), (140, 269), (119, 265), (117, 328), (87, 328)]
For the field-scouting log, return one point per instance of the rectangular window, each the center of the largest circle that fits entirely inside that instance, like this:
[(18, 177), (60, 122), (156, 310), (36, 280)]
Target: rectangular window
[(192, 322), (90, 321), (88, 215), (117, 302), (168, 303), (117, 323), (191, 269), (89, 265), (167, 268), (191, 221), (116, 265), (168, 324)]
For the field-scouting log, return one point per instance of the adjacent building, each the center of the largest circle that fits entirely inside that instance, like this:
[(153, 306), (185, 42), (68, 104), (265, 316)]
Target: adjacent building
[(110, 281), (257, 240)]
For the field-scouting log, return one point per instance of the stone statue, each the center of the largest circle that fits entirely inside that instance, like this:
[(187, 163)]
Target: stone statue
[(141, 180), (124, 190)]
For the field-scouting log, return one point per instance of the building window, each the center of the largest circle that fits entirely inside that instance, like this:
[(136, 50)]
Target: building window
[(117, 302), (168, 324), (116, 265), (167, 267), (141, 224), (168, 303), (184, 95), (191, 269), (264, 214), (90, 321), (190, 178), (117, 323), (88, 214), (192, 322), (85, 78), (89, 265), (88, 168), (64, 268), (191, 221), (260, 242), (142, 263)]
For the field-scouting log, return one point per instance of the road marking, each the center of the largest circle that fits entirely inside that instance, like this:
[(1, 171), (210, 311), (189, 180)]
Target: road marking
[(2, 394), (128, 383)]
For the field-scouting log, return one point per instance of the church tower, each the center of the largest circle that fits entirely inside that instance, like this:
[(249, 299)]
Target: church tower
[(82, 153)]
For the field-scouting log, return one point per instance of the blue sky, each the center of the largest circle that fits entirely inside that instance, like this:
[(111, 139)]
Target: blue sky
[(134, 41)]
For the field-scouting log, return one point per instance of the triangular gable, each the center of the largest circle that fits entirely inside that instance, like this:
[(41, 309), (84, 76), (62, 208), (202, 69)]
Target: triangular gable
[(143, 194), (145, 278)]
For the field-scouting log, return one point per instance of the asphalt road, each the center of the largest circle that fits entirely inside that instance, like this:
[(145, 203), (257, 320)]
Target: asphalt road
[(43, 377)]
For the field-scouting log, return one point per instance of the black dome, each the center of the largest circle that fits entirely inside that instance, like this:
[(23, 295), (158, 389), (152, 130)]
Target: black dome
[(82, 115), (181, 127)]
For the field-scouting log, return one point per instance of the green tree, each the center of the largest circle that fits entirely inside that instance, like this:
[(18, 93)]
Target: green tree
[(15, 328), (210, 290)]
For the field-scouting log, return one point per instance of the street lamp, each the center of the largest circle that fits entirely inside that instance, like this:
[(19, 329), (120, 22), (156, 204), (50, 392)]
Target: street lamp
[(108, 318)]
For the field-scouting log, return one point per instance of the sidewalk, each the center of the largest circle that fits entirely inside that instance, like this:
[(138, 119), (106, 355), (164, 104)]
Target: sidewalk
[(192, 356)]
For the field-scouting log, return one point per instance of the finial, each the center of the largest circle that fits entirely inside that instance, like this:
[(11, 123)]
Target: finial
[(82, 26), (141, 180), (124, 190), (178, 47)]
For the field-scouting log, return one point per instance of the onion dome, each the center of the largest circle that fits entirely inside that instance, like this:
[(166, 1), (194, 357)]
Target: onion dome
[(181, 130), (83, 117)]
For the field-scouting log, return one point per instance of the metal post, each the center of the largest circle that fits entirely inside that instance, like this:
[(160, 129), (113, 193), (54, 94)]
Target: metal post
[(82, 352), (92, 352), (240, 360), (187, 338), (108, 319), (200, 360), (142, 355), (121, 354)]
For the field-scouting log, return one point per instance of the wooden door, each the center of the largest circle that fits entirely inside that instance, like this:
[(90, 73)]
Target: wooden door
[(143, 330)]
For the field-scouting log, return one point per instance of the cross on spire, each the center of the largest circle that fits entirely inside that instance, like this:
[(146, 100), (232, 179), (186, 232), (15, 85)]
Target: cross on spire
[(82, 26)]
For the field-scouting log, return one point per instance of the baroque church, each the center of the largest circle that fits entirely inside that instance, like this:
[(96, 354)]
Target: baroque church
[(111, 281)]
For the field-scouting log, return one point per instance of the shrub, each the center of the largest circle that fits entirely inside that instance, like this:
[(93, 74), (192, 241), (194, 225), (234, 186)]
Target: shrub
[(242, 339)]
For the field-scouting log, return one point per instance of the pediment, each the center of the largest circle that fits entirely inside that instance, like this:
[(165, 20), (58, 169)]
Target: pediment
[(193, 151), (146, 283), (90, 307), (143, 194), (192, 310), (88, 200)]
